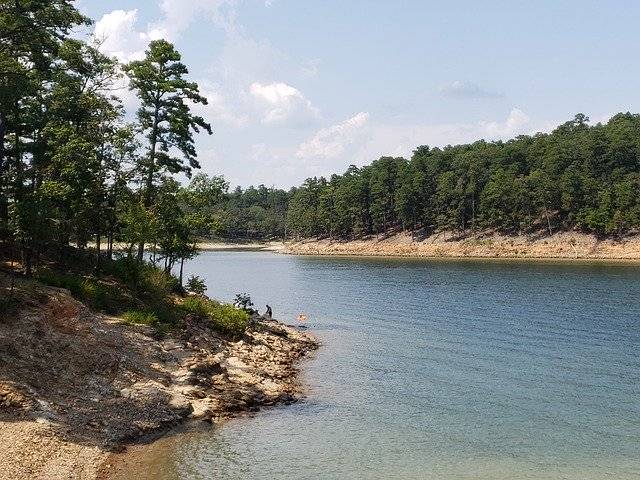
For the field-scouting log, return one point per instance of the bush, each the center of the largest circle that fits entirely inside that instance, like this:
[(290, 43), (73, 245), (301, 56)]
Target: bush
[(156, 282), (137, 317), (61, 280), (226, 319), (144, 278), (229, 320), (243, 301), (98, 295), (196, 285), (197, 306)]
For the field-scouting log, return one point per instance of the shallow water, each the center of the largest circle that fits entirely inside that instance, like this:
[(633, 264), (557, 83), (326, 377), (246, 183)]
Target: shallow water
[(435, 370)]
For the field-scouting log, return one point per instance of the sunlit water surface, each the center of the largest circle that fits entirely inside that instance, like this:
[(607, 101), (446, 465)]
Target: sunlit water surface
[(435, 370)]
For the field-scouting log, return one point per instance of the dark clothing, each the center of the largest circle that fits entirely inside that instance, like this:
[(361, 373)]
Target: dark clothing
[(269, 312)]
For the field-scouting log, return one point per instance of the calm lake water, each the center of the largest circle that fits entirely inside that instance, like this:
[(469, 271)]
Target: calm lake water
[(436, 370)]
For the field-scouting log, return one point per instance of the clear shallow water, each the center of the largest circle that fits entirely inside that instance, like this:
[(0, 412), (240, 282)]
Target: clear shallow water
[(436, 370)]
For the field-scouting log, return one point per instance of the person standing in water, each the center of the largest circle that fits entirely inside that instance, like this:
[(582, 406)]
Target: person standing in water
[(269, 312)]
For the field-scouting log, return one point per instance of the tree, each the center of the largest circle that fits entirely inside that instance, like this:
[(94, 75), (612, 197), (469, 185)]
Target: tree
[(31, 33), (165, 116)]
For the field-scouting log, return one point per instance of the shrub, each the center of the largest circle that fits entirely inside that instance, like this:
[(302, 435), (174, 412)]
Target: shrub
[(196, 285), (61, 280), (226, 319), (137, 317), (229, 320), (156, 282), (197, 306), (142, 277), (243, 301), (98, 295), (126, 269)]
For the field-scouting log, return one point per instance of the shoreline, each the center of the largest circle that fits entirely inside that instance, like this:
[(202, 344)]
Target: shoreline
[(241, 246), (128, 461), (83, 386), (567, 246)]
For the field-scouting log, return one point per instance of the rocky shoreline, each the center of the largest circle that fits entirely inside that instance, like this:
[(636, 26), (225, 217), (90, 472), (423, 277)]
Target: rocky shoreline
[(565, 245), (76, 386)]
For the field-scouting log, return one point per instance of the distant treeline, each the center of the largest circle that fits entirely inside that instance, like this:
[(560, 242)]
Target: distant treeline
[(576, 177)]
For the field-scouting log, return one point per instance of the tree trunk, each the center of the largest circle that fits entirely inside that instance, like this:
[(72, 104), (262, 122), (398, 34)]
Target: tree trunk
[(473, 212), (110, 245), (148, 194), (181, 269), (4, 211), (27, 261), (98, 252), (546, 214)]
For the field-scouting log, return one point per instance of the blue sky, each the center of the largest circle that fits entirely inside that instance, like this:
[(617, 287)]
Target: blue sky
[(302, 88)]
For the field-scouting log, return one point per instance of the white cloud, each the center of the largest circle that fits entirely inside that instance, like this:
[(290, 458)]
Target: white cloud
[(467, 90), (218, 108), (241, 86), (179, 14), (284, 104), (310, 68), (332, 141), (122, 38), (117, 36), (360, 141), (516, 124)]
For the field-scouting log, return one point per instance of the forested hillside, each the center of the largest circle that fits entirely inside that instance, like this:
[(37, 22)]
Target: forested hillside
[(75, 169), (577, 177), (72, 169)]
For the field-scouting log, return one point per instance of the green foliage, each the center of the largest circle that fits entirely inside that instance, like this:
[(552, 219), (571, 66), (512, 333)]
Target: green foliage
[(165, 115), (140, 293), (576, 177), (224, 318), (137, 317), (143, 278), (196, 285), (243, 302), (97, 294), (198, 306), (252, 213)]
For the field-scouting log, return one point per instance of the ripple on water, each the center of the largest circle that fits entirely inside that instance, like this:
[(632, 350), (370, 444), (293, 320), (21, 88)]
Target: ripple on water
[(436, 370)]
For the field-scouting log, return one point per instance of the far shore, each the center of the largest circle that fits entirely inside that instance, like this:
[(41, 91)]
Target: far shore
[(566, 246), (212, 246), (569, 246)]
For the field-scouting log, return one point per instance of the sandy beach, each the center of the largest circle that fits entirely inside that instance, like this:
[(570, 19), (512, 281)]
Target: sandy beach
[(566, 245)]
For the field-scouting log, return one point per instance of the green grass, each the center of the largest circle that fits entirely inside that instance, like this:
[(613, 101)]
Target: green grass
[(137, 317), (224, 318), (97, 294), (144, 295)]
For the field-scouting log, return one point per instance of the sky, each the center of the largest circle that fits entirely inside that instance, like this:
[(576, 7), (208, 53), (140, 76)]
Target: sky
[(301, 88)]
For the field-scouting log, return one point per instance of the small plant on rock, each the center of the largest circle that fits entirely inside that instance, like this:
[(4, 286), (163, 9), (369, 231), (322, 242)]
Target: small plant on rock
[(243, 302), (196, 285)]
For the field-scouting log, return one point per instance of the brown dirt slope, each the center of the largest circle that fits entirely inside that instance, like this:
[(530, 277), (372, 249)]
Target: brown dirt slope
[(567, 245), (75, 385)]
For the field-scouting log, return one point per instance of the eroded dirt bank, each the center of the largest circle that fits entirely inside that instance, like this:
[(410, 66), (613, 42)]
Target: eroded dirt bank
[(567, 245), (76, 385)]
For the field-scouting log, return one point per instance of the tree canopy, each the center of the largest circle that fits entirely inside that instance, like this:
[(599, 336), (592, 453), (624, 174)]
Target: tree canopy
[(73, 170), (576, 177)]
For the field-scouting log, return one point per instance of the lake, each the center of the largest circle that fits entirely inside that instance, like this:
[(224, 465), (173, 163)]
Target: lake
[(435, 369)]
